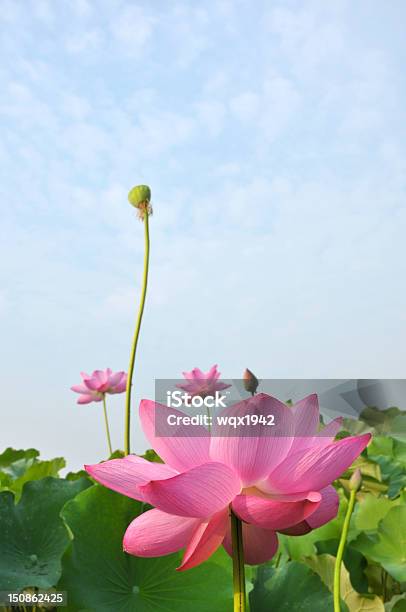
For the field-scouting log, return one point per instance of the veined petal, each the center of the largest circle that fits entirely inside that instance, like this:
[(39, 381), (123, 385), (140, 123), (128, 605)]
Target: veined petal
[(205, 540), (213, 374), (306, 419), (199, 492), (189, 387), (220, 386), (297, 530), (126, 475), (198, 375), (188, 375), (270, 514), (92, 383), (315, 468), (100, 375), (260, 545), (120, 388), (255, 455), (313, 496), (324, 437), (80, 389), (121, 385), (156, 533), (306, 416), (115, 378), (326, 511), (184, 446), (87, 399), (329, 432)]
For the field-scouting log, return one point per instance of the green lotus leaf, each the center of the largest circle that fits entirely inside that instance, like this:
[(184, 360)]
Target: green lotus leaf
[(98, 575), (379, 581), (151, 455), (388, 545), (390, 456), (5, 481), (396, 604), (369, 469), (291, 587), (15, 462), (399, 452), (371, 509), (393, 474), (397, 482), (399, 427), (353, 560), (389, 421), (76, 475), (117, 454), (33, 537), (323, 565), (354, 427), (36, 471), (380, 445)]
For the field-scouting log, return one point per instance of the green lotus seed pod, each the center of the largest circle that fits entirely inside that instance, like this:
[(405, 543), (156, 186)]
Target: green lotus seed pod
[(139, 195)]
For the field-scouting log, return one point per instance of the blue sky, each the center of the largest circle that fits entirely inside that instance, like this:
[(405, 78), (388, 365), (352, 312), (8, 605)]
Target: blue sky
[(273, 137)]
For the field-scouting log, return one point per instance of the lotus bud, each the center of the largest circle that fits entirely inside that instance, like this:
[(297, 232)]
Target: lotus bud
[(250, 381), (356, 480), (140, 198)]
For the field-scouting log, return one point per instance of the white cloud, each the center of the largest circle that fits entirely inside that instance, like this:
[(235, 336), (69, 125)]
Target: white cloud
[(84, 41), (76, 107), (309, 39), (132, 28), (245, 105), (10, 11), (83, 8), (228, 169), (43, 10), (281, 104), (212, 115), (270, 109), (188, 27), (159, 131)]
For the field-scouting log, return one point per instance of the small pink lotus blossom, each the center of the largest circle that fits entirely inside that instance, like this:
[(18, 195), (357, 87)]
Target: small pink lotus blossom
[(201, 383), (274, 479), (94, 387)]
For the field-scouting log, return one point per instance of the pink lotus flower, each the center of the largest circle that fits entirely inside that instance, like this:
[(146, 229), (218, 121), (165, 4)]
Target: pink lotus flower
[(203, 384), (94, 387), (274, 479)]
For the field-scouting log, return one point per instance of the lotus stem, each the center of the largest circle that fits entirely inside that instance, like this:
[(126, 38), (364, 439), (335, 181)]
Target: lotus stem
[(344, 533), (238, 564), (136, 335), (106, 422)]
